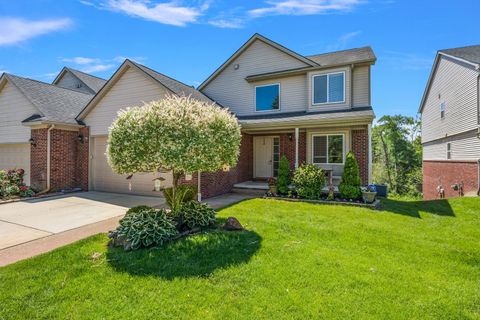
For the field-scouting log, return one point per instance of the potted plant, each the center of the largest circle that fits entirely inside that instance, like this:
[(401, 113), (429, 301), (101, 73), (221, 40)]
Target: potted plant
[(369, 193), (272, 185)]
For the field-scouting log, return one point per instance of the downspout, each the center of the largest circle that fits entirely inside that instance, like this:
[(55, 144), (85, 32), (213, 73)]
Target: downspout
[(49, 143), (351, 85)]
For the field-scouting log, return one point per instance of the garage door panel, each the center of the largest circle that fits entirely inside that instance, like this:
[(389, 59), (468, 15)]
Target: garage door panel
[(104, 179), (16, 156)]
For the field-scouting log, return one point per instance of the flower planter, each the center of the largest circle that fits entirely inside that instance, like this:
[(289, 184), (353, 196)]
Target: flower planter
[(273, 189), (368, 196)]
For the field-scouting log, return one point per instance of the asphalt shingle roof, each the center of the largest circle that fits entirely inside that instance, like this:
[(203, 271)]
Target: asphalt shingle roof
[(470, 53), (177, 87), (93, 82), (54, 103), (344, 56)]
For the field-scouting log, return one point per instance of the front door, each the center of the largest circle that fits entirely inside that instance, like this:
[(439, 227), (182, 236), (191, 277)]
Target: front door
[(263, 156)]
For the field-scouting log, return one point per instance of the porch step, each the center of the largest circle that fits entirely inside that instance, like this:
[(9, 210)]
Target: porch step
[(251, 187), (258, 192)]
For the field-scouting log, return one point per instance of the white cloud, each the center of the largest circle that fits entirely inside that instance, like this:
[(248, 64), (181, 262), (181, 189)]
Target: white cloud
[(304, 7), (171, 13), (17, 30), (120, 59), (97, 68), (81, 60), (343, 40), (233, 23)]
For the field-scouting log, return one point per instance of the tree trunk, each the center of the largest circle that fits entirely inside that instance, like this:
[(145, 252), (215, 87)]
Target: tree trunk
[(387, 160), (176, 176)]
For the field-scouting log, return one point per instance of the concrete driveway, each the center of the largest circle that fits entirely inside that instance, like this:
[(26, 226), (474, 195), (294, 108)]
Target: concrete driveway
[(25, 221)]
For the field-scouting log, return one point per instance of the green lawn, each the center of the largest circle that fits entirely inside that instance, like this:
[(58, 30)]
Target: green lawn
[(414, 260)]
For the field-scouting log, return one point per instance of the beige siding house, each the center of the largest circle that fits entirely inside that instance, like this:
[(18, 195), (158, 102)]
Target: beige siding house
[(450, 123), (312, 109)]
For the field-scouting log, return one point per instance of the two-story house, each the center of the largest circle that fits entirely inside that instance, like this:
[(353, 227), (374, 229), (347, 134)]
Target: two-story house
[(312, 109), (451, 124)]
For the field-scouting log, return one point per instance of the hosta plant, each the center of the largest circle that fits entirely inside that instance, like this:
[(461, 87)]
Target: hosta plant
[(196, 214), (146, 227)]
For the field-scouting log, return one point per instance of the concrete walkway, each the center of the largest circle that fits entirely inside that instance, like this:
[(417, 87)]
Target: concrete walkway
[(33, 227)]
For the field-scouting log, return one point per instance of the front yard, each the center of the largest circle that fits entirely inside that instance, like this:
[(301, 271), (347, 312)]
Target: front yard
[(414, 260)]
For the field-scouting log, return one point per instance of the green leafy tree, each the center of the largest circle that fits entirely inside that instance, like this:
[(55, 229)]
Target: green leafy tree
[(397, 153), (283, 179), (179, 134), (350, 185)]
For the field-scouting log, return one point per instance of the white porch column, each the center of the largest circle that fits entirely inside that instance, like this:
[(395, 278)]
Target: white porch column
[(297, 130), (199, 187), (369, 153)]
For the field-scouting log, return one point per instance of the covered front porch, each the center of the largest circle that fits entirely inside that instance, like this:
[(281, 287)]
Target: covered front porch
[(323, 143)]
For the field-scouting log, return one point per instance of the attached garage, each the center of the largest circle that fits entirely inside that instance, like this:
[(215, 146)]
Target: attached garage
[(16, 156), (103, 178)]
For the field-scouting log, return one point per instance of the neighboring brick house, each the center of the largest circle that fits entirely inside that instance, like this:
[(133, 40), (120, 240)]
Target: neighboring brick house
[(451, 124), (312, 109)]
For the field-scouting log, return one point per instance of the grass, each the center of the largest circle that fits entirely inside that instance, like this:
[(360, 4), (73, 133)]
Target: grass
[(413, 260)]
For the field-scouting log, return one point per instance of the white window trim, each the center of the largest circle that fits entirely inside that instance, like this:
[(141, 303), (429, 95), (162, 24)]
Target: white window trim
[(442, 112), (448, 151), (279, 97), (328, 88), (327, 135)]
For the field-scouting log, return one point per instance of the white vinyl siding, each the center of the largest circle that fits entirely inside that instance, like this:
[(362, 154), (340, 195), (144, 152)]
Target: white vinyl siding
[(104, 179), (16, 156), (361, 86), (134, 88), (454, 84), (14, 108), (231, 89), (465, 146)]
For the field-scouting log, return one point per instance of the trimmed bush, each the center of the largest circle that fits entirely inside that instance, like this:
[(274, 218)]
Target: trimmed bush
[(196, 214), (283, 179), (145, 227), (309, 181), (184, 193), (350, 185)]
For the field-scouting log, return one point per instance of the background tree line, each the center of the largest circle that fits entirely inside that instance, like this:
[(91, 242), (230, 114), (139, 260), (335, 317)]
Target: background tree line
[(397, 154)]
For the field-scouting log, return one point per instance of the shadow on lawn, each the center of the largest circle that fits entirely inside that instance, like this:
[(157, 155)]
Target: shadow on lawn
[(412, 208), (195, 256)]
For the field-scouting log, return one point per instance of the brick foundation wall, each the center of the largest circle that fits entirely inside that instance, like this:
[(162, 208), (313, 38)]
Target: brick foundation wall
[(447, 173), (38, 159), (360, 150)]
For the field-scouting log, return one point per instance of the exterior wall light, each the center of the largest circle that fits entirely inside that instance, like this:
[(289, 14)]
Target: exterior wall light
[(80, 138), (32, 142), (157, 184), (188, 176)]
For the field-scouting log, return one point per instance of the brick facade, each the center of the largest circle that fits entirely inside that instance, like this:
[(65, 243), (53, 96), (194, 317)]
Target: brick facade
[(360, 150), (38, 159), (287, 148), (68, 160), (446, 174)]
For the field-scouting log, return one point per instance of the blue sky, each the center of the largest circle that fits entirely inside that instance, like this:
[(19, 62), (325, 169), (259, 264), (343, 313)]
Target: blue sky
[(188, 40)]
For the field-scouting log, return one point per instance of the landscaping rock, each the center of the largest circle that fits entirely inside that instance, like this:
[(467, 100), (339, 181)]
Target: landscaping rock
[(119, 241), (232, 224)]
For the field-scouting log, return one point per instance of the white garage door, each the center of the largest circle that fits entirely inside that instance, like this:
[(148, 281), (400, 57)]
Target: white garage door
[(104, 179), (16, 156)]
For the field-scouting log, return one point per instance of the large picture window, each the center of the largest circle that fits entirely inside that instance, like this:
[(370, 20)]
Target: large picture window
[(267, 98), (328, 149), (328, 88)]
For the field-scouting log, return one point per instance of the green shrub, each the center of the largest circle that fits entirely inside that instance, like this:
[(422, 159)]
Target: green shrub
[(196, 214), (350, 185), (11, 190), (137, 209), (283, 179), (185, 193), (309, 181), (145, 227)]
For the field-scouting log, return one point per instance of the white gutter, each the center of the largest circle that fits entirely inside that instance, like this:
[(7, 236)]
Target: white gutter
[(49, 142)]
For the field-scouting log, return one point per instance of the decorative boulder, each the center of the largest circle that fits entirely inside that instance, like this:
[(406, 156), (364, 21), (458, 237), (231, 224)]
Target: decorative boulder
[(232, 224), (119, 241)]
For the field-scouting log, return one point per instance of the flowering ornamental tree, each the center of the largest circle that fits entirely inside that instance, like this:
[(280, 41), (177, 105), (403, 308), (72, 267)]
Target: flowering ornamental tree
[(180, 134)]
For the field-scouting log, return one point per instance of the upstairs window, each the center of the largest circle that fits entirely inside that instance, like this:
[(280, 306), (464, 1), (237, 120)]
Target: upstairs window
[(328, 149), (442, 110), (267, 98), (449, 151), (328, 88)]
